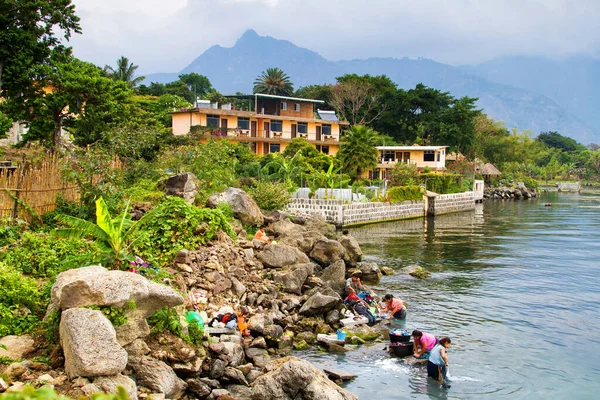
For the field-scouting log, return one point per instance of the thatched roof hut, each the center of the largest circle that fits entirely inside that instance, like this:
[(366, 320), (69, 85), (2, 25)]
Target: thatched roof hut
[(489, 169)]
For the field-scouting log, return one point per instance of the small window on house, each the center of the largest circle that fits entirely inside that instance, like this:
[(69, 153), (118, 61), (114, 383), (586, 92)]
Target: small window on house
[(212, 120), (438, 156), (284, 105), (388, 155), (276, 126), (297, 107), (325, 149), (244, 123), (428, 155), (302, 127), (274, 148), (326, 129)]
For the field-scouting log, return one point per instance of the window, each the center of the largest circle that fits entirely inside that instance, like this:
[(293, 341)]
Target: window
[(297, 107), (276, 126), (302, 127), (284, 105), (212, 120), (325, 149), (438, 156), (429, 155), (326, 129), (244, 123), (274, 148), (388, 155)]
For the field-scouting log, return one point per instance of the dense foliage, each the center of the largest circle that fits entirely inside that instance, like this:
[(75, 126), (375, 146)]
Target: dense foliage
[(270, 195), (399, 194)]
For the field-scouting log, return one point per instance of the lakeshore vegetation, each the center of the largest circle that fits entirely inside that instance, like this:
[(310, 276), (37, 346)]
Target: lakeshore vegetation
[(108, 115)]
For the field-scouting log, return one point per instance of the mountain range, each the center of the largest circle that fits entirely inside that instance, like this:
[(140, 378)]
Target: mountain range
[(526, 92)]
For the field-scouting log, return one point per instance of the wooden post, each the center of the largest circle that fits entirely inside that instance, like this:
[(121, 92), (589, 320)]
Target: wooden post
[(16, 205)]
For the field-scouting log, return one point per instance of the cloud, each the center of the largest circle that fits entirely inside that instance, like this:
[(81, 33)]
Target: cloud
[(166, 36)]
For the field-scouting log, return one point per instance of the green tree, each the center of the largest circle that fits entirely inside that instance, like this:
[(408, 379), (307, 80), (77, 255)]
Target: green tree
[(357, 150), (70, 94), (274, 81), (125, 71), (198, 85)]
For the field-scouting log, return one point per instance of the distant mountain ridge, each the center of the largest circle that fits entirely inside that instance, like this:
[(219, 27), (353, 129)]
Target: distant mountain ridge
[(234, 69)]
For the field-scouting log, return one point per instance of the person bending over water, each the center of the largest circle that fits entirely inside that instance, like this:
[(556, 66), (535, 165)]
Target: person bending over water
[(437, 365), (394, 308), (423, 344)]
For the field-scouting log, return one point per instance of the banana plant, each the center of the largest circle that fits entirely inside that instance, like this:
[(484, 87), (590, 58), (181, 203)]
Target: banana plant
[(113, 236)]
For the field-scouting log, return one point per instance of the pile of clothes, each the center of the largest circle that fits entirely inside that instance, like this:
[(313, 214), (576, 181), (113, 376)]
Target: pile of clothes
[(361, 304)]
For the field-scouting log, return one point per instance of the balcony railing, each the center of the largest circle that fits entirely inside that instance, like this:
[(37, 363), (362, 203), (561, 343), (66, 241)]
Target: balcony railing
[(265, 134)]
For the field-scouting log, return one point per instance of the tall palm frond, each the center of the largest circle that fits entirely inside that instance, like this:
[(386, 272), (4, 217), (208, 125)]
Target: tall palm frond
[(274, 81), (125, 71)]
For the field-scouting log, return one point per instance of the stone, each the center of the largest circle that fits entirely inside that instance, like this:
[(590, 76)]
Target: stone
[(237, 287), (326, 252), (98, 286), (220, 394), (15, 370), (291, 378), (319, 304), (90, 389), (3, 386), (17, 347), (369, 272), (281, 255), (217, 370), (275, 216), (334, 276), (239, 392), (417, 271), (235, 375), (353, 250), (233, 353), (109, 384), (315, 222), (184, 268), (332, 317), (199, 388), (183, 185), (46, 379), (273, 331), (137, 348), (222, 285), (257, 323), (292, 279), (89, 343), (156, 396), (259, 342), (252, 375), (158, 376), (284, 227), (387, 271), (259, 357), (244, 207)]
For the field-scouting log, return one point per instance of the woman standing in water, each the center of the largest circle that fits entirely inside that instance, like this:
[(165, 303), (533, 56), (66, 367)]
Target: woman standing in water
[(437, 365)]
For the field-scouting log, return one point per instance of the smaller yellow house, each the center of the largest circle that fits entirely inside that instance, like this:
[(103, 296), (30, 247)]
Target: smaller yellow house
[(421, 157)]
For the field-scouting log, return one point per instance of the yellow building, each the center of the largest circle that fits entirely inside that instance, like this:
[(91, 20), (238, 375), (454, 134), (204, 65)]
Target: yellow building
[(433, 157), (279, 119)]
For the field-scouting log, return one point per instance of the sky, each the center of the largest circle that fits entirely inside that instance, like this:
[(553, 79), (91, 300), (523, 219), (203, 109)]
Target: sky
[(165, 36)]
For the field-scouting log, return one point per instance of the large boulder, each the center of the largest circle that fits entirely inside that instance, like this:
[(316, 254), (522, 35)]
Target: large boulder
[(416, 271), (284, 227), (244, 207), (334, 276), (319, 304), (305, 240), (158, 376), (110, 384), (315, 222), (98, 286), (353, 251), (292, 278), (326, 251), (281, 255), (89, 344), (291, 378), (369, 272), (17, 347), (183, 185)]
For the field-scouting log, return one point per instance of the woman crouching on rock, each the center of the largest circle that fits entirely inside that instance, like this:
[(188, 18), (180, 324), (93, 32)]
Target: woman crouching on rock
[(394, 308)]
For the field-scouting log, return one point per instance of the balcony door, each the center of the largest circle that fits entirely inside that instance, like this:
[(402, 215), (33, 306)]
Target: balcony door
[(224, 124), (318, 133), (253, 129), (294, 130), (267, 127)]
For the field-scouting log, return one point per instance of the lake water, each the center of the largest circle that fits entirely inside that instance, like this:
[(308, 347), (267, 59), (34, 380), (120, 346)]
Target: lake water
[(515, 285)]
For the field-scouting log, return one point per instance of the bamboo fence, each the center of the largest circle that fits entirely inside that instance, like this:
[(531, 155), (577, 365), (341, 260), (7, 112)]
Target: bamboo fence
[(32, 189)]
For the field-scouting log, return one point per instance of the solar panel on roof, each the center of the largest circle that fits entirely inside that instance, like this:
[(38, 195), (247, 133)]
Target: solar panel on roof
[(328, 115)]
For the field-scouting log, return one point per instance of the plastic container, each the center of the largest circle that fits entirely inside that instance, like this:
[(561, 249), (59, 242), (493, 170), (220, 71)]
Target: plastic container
[(194, 316), (402, 349), (341, 335), (399, 336)]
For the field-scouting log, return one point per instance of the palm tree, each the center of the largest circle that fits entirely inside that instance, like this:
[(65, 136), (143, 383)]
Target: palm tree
[(112, 235), (274, 81), (357, 151), (125, 71)]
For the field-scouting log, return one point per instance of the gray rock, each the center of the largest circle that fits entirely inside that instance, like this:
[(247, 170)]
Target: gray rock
[(315, 222), (244, 207), (217, 393), (17, 347), (183, 185), (291, 378), (275, 216), (259, 342), (319, 304), (387, 271), (417, 271), (257, 323), (273, 331), (239, 392), (370, 272), (109, 384), (238, 287), (96, 285), (15, 370), (222, 285), (235, 375), (283, 228), (158, 376), (217, 370), (353, 250), (89, 344), (334, 276), (137, 348), (233, 353), (333, 317), (281, 255), (292, 279), (327, 251), (199, 388)]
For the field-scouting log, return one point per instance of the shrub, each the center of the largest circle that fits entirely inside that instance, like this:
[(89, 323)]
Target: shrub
[(270, 195), (177, 225), (441, 183), (18, 291), (166, 319), (11, 230), (403, 175), (47, 393), (403, 193), (42, 256), (145, 190)]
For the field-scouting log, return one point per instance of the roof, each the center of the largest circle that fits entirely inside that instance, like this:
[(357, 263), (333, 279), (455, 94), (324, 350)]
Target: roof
[(274, 96), (489, 169), (407, 148), (328, 115), (252, 114)]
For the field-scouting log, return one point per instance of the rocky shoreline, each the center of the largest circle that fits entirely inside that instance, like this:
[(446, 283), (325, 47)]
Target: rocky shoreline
[(290, 292), (509, 193)]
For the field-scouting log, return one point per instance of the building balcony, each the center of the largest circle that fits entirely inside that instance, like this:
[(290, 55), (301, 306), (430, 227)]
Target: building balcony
[(259, 135)]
